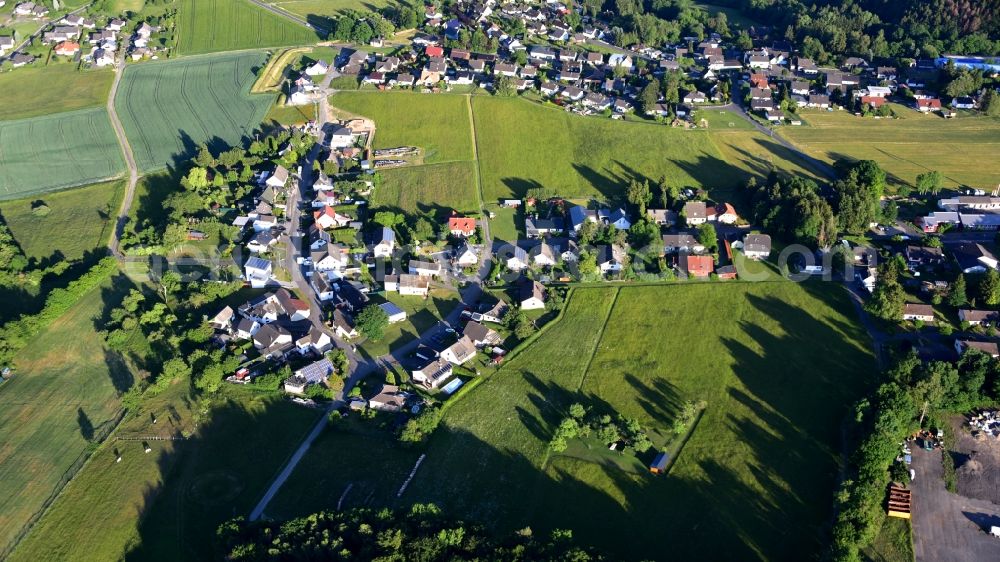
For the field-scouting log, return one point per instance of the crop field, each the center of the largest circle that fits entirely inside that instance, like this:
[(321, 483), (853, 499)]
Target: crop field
[(963, 149), (209, 26), (35, 91), (753, 482), (168, 108), (74, 148), (64, 395), (434, 188), (78, 221)]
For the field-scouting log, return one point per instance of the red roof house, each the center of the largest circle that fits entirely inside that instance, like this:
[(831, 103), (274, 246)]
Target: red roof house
[(873, 101), (928, 104), (67, 48), (461, 226), (434, 51), (700, 266)]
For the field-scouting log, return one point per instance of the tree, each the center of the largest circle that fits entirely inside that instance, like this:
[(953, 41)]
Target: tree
[(649, 96), (707, 237), (388, 218), (929, 182), (423, 229), (504, 86), (638, 194), (204, 157), (362, 33), (989, 288), (888, 297), (957, 296), (372, 322), (989, 104)]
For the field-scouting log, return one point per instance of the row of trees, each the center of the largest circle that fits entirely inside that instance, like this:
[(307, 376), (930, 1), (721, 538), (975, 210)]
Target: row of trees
[(422, 533), (793, 209)]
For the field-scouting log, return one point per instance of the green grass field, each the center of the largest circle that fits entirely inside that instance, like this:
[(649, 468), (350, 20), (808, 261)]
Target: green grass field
[(894, 542), (434, 188), (166, 505), (961, 149), (306, 8), (437, 124), (79, 221), (64, 395), (168, 108), (35, 91), (209, 26), (778, 364), (522, 145), (591, 157), (53, 152)]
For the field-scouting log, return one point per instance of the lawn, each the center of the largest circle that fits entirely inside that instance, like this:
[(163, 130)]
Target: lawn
[(208, 26), (894, 542), (168, 108), (961, 149), (62, 398), (421, 314), (53, 152), (436, 188), (38, 90), (78, 221), (437, 124), (778, 370), (291, 114)]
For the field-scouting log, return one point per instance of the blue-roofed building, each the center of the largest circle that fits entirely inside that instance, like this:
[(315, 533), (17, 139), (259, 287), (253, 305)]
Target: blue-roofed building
[(394, 313)]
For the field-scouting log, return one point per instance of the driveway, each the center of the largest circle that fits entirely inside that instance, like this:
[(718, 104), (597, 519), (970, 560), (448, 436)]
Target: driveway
[(948, 527)]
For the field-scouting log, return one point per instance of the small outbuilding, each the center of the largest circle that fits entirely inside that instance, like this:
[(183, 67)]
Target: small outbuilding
[(659, 464)]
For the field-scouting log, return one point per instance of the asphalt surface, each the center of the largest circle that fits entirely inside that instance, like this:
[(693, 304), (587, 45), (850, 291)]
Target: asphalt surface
[(948, 527)]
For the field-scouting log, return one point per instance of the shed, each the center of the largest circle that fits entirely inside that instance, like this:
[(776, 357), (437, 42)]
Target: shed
[(659, 464)]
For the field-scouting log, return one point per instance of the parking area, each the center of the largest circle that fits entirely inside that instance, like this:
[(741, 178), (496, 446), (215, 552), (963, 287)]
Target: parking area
[(948, 527)]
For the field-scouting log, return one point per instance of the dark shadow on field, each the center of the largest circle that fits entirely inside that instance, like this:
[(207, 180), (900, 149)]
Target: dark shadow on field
[(823, 170), (322, 22), (86, 426), (217, 474), (797, 401)]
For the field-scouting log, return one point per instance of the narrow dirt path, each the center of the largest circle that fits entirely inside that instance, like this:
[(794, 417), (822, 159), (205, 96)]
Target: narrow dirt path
[(133, 170)]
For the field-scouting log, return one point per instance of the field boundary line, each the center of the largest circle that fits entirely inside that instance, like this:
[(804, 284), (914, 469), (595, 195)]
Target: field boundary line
[(600, 337)]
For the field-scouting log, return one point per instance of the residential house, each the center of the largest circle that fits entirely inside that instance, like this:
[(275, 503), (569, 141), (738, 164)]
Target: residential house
[(424, 268), (385, 244), (681, 243), (978, 317), (536, 228), (695, 213), (988, 347), (257, 272), (725, 213), (246, 328), (340, 137), (459, 352), (928, 105), (757, 246), (698, 266), (578, 215), (921, 312), (480, 335), (272, 339), (514, 257), (617, 218), (433, 374), (279, 178), (462, 227), (261, 242), (389, 399), (973, 257), (223, 321), (414, 285), (314, 373), (662, 217), (919, 256), (611, 258), (531, 294), (328, 217), (466, 256), (343, 326), (316, 341)]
